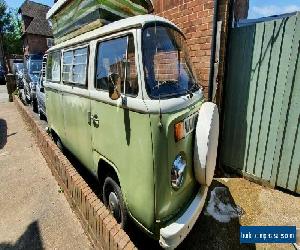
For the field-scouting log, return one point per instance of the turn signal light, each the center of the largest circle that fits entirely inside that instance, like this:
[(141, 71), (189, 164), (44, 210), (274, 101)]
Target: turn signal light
[(179, 131)]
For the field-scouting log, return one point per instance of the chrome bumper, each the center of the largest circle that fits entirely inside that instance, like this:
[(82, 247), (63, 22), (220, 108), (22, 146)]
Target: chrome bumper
[(172, 235)]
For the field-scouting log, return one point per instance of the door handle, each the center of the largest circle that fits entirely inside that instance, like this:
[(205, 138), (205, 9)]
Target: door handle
[(95, 120)]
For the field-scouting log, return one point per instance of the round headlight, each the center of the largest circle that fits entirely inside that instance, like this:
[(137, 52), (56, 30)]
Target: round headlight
[(177, 171)]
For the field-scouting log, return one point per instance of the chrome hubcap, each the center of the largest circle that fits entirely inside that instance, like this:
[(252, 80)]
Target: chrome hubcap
[(114, 206)]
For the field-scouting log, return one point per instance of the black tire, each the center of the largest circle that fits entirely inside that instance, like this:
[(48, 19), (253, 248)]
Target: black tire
[(59, 144), (26, 100), (41, 115), (111, 190), (34, 105)]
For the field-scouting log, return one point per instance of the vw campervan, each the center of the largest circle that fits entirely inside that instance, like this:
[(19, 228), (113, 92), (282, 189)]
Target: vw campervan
[(125, 101)]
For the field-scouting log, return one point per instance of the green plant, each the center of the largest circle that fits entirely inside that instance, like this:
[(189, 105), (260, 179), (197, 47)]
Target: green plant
[(10, 30)]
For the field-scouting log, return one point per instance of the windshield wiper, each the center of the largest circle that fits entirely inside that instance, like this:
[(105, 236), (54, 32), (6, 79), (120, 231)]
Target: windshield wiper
[(194, 87)]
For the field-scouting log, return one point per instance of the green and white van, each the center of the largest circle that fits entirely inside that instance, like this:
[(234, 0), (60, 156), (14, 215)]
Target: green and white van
[(124, 100)]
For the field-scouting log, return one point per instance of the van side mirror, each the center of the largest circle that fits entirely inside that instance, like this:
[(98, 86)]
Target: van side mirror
[(114, 86)]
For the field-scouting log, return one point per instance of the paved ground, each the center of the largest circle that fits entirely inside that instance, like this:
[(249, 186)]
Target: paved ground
[(3, 94), (34, 214)]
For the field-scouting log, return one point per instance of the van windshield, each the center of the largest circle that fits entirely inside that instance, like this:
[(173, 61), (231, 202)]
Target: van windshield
[(168, 70)]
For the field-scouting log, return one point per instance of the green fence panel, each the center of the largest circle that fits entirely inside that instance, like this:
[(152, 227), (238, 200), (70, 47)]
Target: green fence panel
[(253, 89), (238, 92), (255, 125), (285, 39), (262, 102), (289, 122)]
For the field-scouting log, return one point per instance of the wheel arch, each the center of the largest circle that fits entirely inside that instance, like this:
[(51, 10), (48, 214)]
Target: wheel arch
[(106, 168)]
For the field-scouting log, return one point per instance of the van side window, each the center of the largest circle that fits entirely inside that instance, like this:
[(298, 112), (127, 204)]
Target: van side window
[(117, 57), (75, 66), (53, 66)]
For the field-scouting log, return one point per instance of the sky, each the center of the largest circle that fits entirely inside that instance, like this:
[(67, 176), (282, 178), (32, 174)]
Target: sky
[(17, 3), (263, 8), (258, 8)]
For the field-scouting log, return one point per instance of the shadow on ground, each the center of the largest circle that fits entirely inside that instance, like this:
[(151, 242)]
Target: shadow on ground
[(30, 239), (3, 133)]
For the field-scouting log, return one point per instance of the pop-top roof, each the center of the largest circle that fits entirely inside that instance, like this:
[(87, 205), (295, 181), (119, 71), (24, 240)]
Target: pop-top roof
[(60, 3), (124, 24)]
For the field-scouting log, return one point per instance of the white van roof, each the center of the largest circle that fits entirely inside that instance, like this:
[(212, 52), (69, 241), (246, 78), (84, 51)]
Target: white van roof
[(123, 24)]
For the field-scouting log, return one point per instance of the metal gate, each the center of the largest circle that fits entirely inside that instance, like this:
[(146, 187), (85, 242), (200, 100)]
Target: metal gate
[(261, 135)]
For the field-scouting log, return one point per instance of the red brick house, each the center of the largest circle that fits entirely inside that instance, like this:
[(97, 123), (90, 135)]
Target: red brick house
[(37, 32)]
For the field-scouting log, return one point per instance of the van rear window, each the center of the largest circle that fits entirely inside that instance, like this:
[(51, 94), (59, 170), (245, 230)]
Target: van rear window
[(53, 67)]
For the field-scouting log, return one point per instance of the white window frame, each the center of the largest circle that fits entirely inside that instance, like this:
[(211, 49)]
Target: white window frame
[(73, 49)]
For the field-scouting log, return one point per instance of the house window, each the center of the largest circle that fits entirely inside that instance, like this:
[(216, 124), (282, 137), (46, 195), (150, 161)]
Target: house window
[(75, 66), (53, 66)]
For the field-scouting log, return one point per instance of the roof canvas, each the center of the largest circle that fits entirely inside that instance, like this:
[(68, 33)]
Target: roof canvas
[(68, 16), (61, 3)]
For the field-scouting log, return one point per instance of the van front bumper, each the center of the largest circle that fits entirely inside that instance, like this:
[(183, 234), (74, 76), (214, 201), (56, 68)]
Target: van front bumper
[(173, 234)]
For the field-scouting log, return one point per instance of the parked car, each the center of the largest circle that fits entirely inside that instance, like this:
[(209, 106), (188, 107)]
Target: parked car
[(32, 68), (40, 92), (124, 99), (2, 75), (40, 95), (18, 69), (12, 62)]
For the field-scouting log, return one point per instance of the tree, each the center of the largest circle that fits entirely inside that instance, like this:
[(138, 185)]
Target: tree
[(10, 30)]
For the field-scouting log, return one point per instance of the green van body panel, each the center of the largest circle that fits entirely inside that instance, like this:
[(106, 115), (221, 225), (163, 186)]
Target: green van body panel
[(77, 129), (123, 137), (55, 113), (142, 159), (170, 202)]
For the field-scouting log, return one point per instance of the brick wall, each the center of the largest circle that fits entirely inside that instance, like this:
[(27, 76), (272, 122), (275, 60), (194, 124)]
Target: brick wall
[(195, 19), (34, 44), (98, 223), (166, 66)]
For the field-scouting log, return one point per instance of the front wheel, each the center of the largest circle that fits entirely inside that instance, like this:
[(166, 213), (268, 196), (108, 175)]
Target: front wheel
[(34, 105), (113, 200)]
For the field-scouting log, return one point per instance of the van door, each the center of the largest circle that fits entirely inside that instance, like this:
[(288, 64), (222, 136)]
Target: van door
[(76, 104), (121, 131)]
